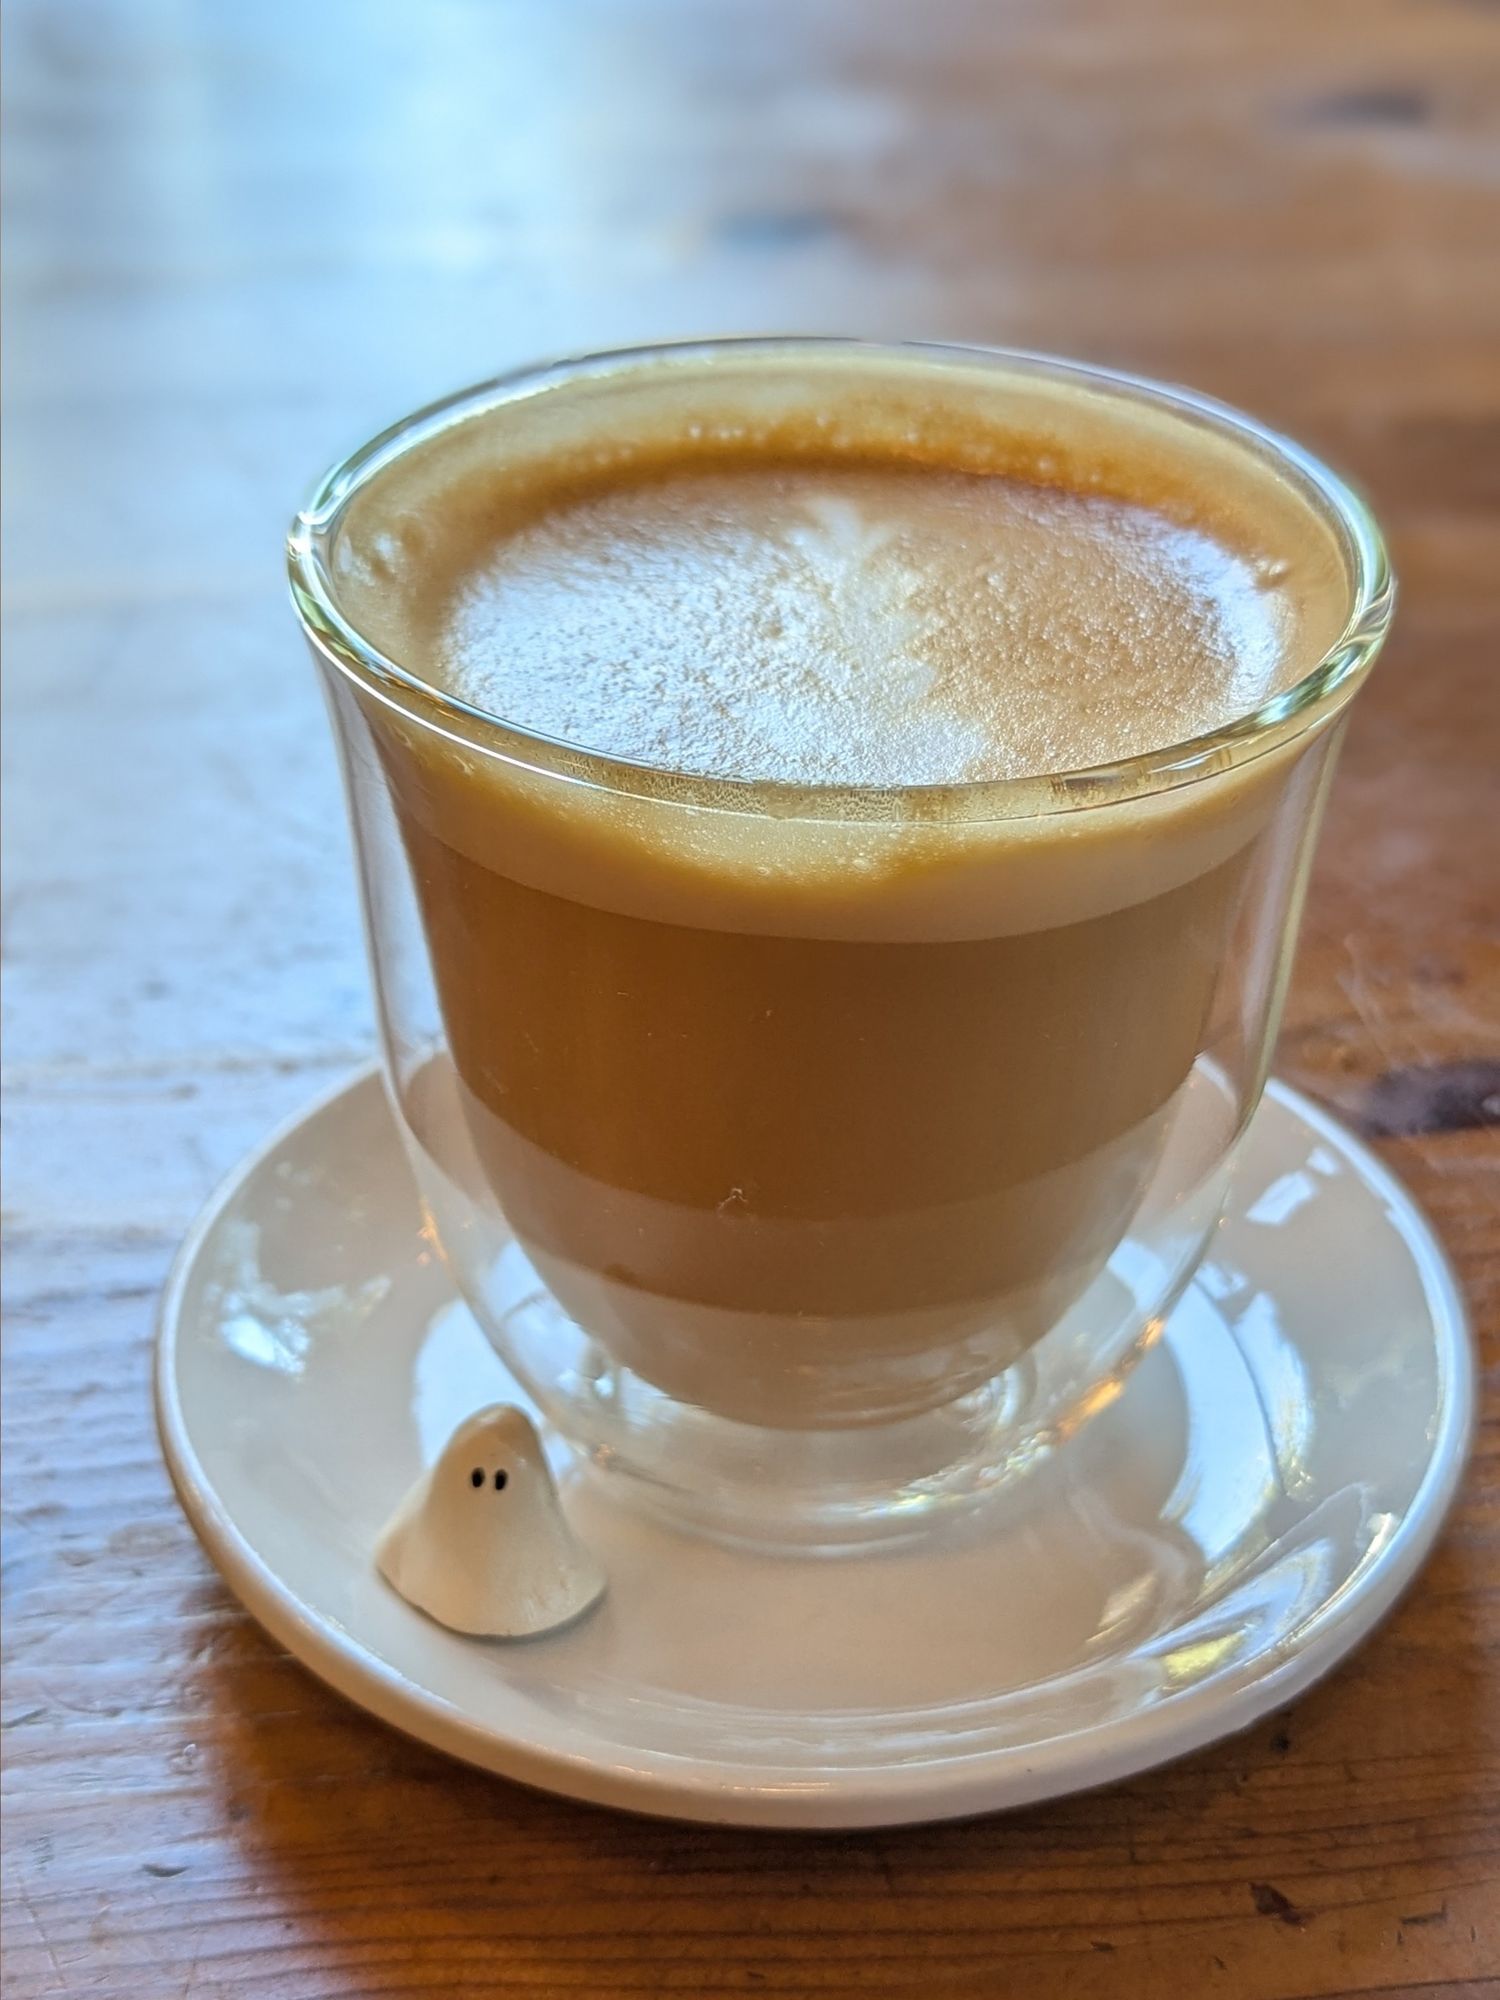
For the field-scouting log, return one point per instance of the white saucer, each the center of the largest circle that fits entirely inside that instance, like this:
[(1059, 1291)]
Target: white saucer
[(1267, 1484)]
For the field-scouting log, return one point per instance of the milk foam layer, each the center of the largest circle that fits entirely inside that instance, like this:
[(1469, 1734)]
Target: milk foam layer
[(862, 624), (949, 571), (853, 570)]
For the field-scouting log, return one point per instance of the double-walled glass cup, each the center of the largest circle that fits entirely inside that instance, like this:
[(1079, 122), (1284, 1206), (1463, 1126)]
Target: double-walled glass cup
[(816, 1157)]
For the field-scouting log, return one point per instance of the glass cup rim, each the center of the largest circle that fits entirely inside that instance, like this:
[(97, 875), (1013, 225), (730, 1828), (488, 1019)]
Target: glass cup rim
[(1313, 699)]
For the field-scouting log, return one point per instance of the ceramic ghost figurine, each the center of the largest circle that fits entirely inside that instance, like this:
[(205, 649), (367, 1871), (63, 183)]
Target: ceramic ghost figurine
[(481, 1544)]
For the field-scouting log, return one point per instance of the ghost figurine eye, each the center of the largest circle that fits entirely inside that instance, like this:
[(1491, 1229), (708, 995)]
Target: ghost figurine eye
[(476, 1477), (500, 1479)]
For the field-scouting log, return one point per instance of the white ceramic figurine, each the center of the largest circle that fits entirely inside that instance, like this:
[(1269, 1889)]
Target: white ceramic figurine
[(481, 1543)]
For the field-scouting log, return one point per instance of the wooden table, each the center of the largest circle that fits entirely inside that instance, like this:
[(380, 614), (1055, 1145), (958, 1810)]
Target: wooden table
[(242, 237)]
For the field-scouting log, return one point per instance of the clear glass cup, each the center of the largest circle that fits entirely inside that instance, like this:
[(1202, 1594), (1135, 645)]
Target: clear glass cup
[(817, 1157)]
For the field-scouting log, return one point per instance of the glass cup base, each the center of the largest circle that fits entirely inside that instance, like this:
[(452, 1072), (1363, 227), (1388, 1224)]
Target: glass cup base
[(808, 1490), (817, 1491)]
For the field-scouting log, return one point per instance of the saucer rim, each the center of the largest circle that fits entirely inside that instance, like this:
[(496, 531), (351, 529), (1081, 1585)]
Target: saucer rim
[(667, 1785)]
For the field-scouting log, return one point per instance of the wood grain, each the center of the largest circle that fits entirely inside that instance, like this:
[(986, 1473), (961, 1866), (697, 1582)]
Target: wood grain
[(240, 238)]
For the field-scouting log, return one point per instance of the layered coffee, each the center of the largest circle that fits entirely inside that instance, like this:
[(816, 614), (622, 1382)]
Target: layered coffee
[(793, 1053)]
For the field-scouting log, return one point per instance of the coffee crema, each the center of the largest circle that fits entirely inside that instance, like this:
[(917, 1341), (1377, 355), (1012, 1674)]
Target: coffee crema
[(849, 618)]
